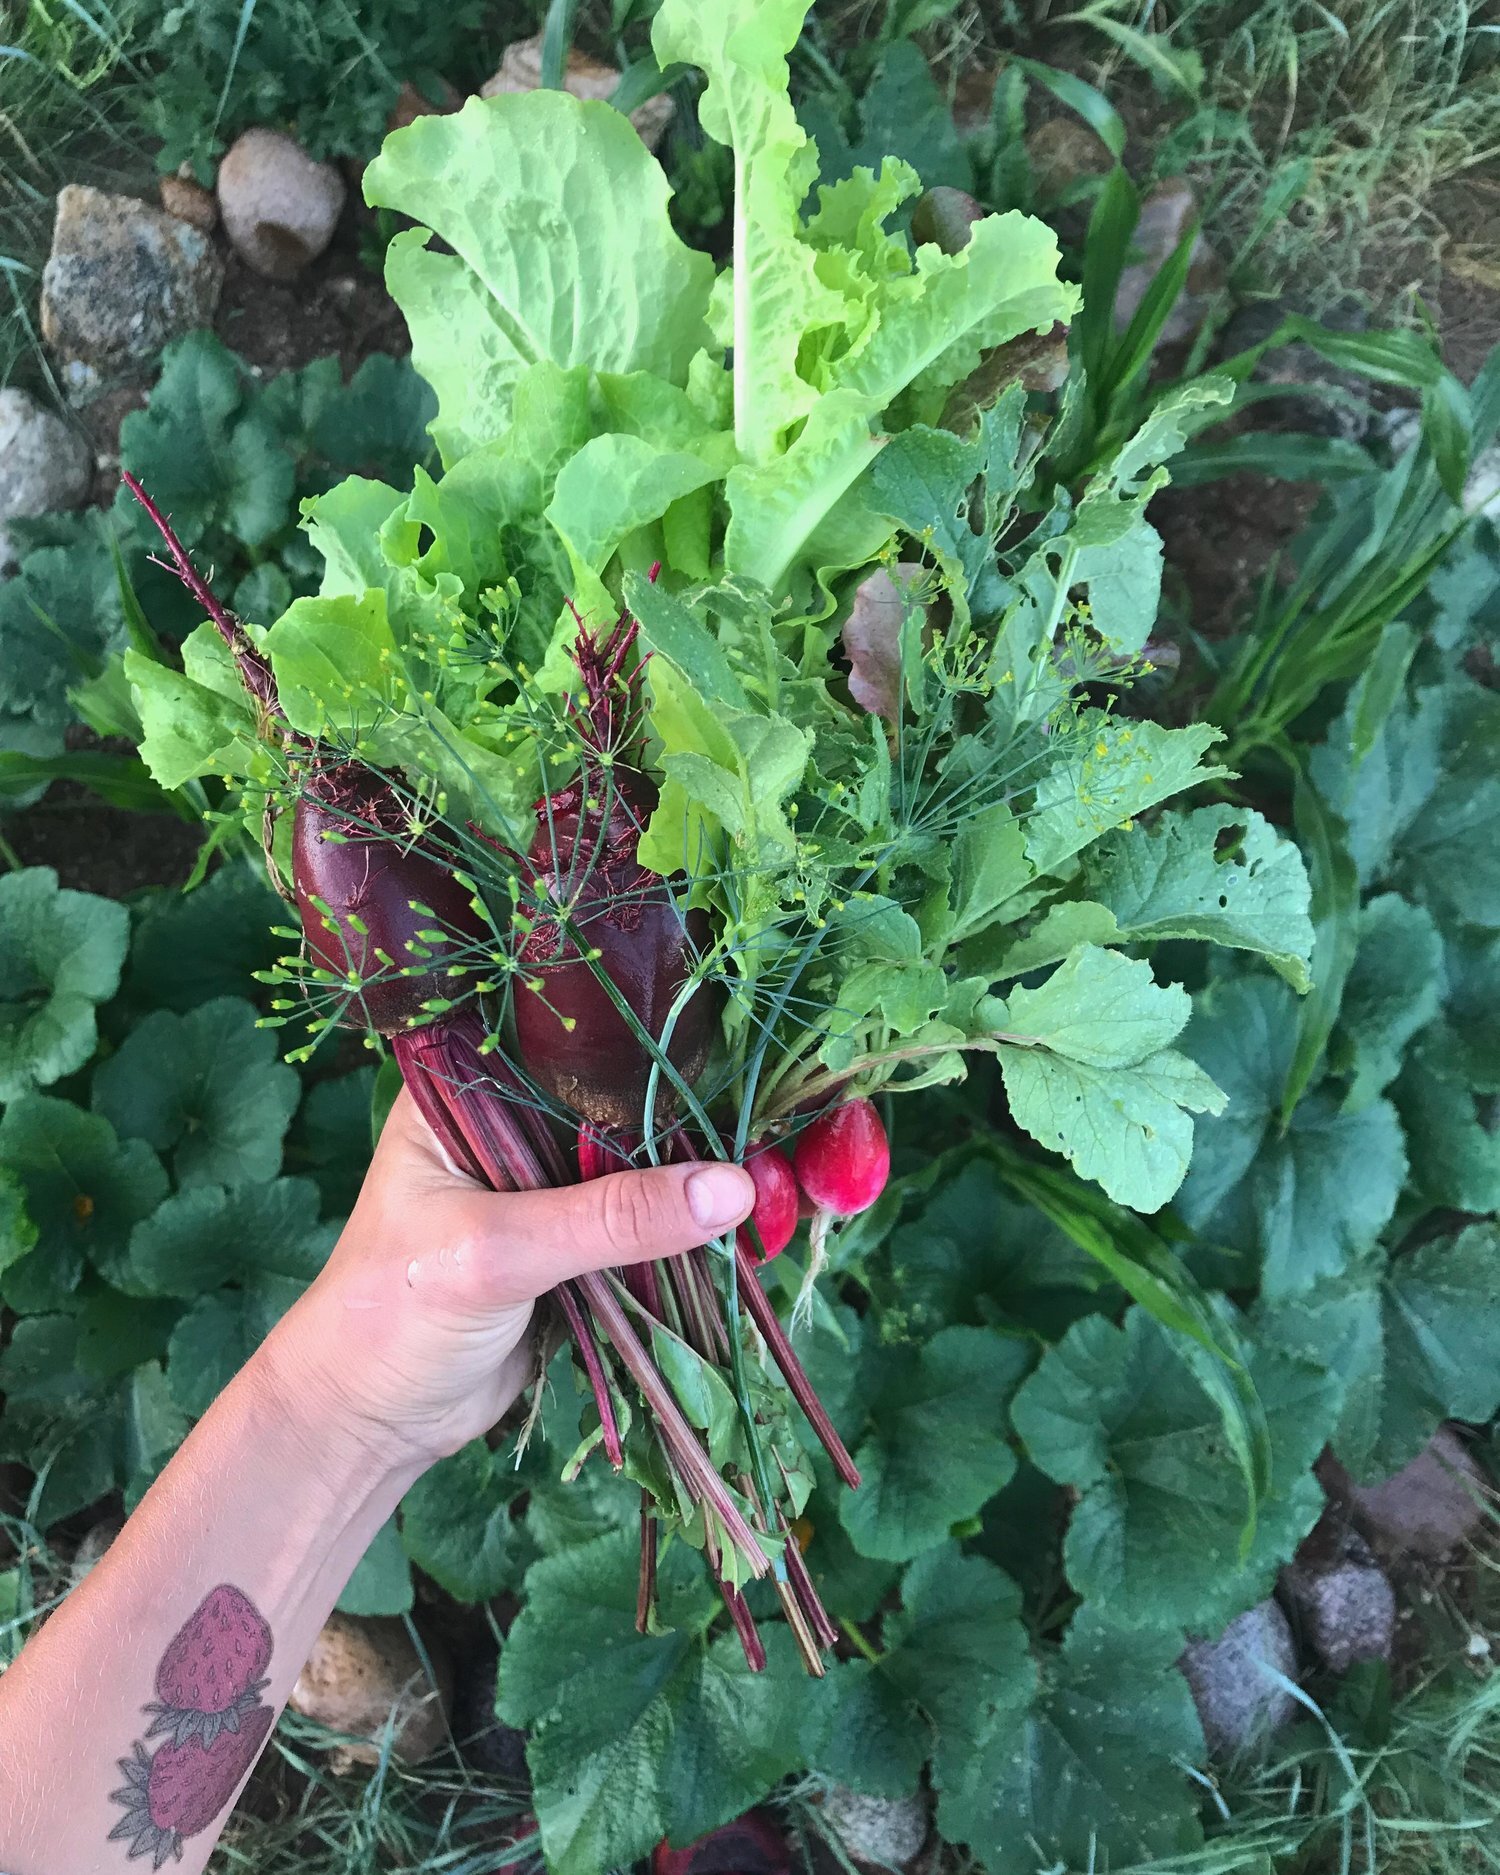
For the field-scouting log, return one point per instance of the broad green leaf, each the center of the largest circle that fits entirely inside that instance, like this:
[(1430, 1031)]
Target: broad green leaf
[(336, 662), (217, 1335), (989, 866), (1088, 1072), (197, 721), (381, 1583), (192, 946), (55, 1421), (153, 1425), (210, 454), (1219, 874), (117, 1332), (1304, 1201), (206, 1235), (558, 246), (1393, 989), (1112, 771), (954, 1664), (59, 618), (205, 1086), (1092, 1774), (60, 956), (1407, 1347), (331, 1137), (937, 1447), (1450, 1135), (1115, 1414), (456, 1522), (631, 1735), (85, 1190)]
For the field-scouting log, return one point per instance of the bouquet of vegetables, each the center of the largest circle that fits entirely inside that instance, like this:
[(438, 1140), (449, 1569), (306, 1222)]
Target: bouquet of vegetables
[(724, 739)]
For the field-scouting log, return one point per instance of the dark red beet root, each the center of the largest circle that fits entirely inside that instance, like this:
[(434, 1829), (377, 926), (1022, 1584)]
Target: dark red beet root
[(369, 874), (571, 1037), (843, 1158), (751, 1845), (776, 1202)]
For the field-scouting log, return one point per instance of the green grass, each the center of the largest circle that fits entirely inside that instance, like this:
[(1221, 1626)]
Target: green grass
[(1376, 104), (66, 70)]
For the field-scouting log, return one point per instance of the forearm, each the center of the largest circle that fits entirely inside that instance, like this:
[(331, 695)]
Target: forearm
[(260, 1500)]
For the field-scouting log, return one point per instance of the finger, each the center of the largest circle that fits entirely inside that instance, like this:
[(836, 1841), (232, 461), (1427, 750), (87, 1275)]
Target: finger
[(627, 1217)]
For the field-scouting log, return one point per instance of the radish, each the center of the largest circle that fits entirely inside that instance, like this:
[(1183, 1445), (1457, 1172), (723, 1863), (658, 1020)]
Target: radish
[(776, 1203), (843, 1158)]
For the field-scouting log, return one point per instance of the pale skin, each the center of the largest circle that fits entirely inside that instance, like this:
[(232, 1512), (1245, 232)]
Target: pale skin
[(414, 1340)]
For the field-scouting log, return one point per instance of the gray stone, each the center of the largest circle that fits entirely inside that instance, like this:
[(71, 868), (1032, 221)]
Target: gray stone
[(123, 279), (280, 208), (1239, 1704), (1430, 1506), (879, 1832), (1347, 1611), (1166, 214), (45, 466)]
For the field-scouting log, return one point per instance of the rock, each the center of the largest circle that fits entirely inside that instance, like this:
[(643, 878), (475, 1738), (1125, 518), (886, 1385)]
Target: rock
[(521, 70), (185, 197), (280, 208), (1345, 1612), (1165, 215), (411, 104), (90, 1551), (1063, 151), (359, 1672), (888, 1832), (1239, 1705), (123, 279), (1430, 1506), (45, 465)]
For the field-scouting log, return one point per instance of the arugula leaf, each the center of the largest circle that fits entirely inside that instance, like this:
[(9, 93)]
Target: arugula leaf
[(1116, 1414), (60, 956), (205, 1086), (604, 283), (1219, 874), (1088, 1073), (1113, 771)]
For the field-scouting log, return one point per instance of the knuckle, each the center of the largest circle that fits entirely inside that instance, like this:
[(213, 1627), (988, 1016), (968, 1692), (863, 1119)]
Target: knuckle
[(633, 1212)]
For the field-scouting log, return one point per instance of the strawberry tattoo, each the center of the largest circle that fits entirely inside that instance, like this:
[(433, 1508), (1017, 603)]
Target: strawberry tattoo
[(208, 1689), (183, 1788), (210, 1676)]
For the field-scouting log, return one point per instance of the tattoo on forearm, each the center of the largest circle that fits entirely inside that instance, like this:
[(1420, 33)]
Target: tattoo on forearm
[(208, 1701)]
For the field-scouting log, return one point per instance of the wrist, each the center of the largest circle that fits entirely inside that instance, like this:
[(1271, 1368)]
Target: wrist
[(314, 1408)]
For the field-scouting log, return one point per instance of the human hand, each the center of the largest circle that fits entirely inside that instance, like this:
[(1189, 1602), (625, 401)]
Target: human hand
[(413, 1340)]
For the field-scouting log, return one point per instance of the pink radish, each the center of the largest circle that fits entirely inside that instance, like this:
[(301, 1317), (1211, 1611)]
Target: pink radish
[(843, 1158), (776, 1201)]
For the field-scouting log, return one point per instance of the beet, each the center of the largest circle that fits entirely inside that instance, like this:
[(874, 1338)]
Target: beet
[(843, 1159), (776, 1202), (369, 875)]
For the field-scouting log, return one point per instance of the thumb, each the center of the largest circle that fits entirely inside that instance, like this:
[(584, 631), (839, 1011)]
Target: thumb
[(627, 1217)]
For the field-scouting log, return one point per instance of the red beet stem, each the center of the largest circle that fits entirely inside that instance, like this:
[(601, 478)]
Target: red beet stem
[(254, 669), (764, 1315)]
